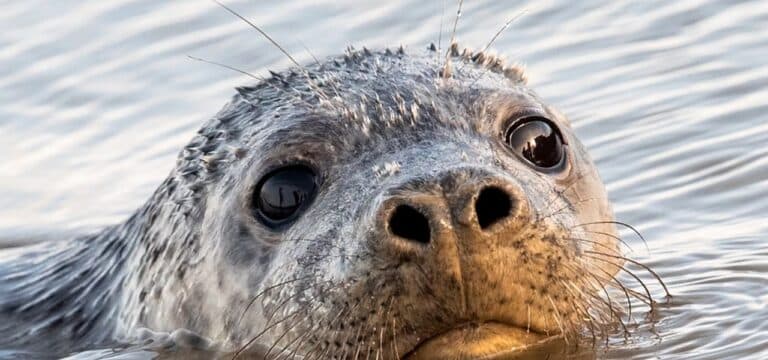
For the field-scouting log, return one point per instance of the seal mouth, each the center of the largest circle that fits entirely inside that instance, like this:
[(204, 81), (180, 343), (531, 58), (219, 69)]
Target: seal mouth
[(484, 340)]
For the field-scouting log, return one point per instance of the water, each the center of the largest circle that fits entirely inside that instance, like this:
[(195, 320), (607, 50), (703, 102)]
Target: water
[(96, 98)]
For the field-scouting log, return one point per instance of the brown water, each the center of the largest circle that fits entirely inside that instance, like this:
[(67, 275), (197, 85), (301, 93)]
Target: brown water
[(671, 98)]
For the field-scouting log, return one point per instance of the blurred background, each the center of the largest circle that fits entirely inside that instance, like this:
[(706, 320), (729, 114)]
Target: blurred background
[(97, 98)]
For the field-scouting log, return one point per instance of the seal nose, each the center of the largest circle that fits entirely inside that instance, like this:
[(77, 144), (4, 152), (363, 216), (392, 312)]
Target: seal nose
[(493, 204), (408, 223), (414, 218)]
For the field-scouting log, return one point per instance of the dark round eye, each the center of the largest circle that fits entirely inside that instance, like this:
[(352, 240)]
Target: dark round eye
[(536, 140), (283, 193)]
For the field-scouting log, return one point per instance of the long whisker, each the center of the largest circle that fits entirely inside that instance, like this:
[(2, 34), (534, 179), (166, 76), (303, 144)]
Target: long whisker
[(301, 339), (349, 333), (287, 330), (446, 73), (270, 325), (394, 337), (630, 227), (590, 295), (593, 242), (504, 28), (622, 268), (648, 269), (440, 35), (581, 310), (565, 207), (557, 320), (330, 325), (619, 239), (250, 342), (262, 32), (226, 67), (495, 37), (626, 293), (296, 346), (282, 335), (613, 313), (357, 348), (629, 303), (266, 290), (306, 48), (456, 22)]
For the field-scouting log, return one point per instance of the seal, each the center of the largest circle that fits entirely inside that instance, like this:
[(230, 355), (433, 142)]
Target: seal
[(376, 204)]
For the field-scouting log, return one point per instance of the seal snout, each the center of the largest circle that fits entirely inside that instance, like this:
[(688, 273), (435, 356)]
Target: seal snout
[(492, 205), (427, 212)]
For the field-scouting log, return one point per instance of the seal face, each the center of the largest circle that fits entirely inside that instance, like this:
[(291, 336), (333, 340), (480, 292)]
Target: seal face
[(369, 205)]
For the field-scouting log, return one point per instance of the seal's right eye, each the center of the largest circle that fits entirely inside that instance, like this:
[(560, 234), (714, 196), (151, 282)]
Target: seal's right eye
[(536, 139), (283, 193)]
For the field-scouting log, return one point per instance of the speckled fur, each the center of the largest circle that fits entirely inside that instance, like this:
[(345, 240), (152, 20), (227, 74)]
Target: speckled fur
[(377, 126)]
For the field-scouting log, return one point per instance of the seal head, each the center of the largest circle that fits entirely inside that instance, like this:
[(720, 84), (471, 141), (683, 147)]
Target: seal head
[(373, 205)]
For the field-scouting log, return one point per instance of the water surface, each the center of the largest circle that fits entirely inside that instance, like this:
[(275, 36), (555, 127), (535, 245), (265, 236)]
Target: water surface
[(97, 97)]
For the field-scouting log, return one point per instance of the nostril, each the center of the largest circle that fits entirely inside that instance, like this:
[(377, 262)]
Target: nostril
[(492, 205), (407, 222)]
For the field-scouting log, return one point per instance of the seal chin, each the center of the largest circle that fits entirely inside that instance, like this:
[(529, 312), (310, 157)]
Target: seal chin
[(489, 340)]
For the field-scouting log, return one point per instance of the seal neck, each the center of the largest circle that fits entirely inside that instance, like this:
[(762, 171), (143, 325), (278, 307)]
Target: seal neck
[(61, 295)]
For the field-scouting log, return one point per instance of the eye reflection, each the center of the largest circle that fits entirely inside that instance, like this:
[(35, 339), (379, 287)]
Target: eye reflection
[(536, 141), (283, 193)]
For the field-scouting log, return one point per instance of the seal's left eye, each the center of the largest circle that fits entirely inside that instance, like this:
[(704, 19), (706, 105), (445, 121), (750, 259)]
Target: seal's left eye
[(283, 194), (536, 139)]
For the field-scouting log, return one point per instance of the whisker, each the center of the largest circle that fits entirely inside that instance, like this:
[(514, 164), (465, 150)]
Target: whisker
[(378, 314), (629, 305), (250, 342), (493, 39), (306, 48), (226, 67), (322, 353), (262, 32), (456, 22), (288, 329), (266, 290), (267, 325), (282, 335), (648, 269), (394, 337), (380, 351), (637, 278), (357, 336), (440, 35), (528, 327), (592, 296), (598, 284), (626, 293), (503, 28), (557, 320), (566, 206), (301, 337), (311, 83), (581, 311), (621, 286), (593, 242), (630, 227), (330, 325), (611, 236), (616, 314), (446, 73)]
